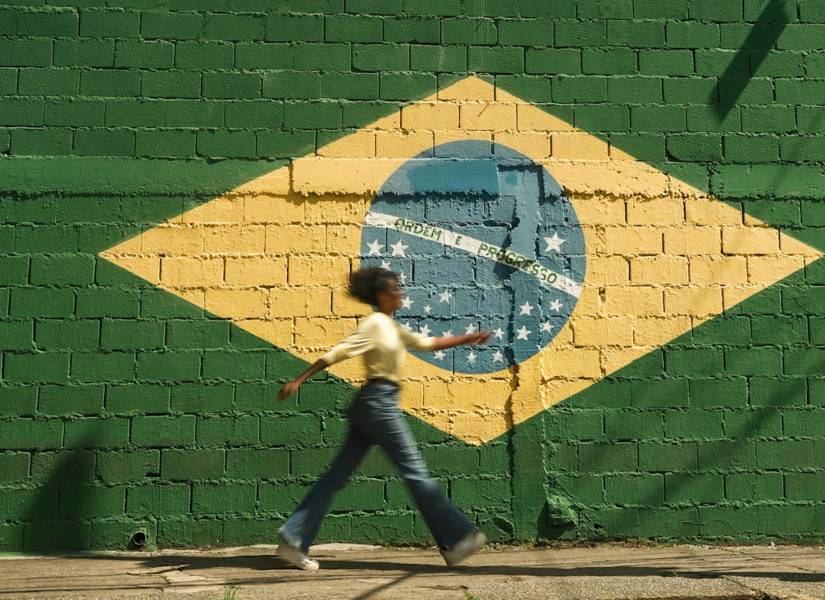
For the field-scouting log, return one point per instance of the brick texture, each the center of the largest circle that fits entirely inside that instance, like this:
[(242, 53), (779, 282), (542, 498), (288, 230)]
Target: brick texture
[(124, 405)]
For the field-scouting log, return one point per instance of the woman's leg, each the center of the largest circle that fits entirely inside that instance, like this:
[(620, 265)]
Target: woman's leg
[(389, 429), (302, 527)]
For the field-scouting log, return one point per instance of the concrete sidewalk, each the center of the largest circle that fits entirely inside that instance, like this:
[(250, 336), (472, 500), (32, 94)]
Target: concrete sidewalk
[(360, 572)]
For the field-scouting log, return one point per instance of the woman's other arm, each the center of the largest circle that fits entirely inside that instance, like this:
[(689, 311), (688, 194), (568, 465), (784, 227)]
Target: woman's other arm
[(292, 387), (357, 343)]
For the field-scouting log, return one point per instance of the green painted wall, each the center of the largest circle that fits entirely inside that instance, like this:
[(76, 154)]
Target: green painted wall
[(125, 408)]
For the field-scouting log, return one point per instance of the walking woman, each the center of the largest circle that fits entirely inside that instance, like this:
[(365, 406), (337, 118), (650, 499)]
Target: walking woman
[(375, 418)]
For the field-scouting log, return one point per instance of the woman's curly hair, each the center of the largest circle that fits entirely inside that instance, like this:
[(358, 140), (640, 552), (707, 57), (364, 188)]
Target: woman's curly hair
[(366, 284)]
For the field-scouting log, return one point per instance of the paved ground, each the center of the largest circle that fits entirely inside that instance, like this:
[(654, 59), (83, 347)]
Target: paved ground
[(360, 572)]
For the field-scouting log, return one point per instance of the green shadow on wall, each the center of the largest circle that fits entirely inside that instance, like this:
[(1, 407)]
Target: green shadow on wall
[(70, 509)]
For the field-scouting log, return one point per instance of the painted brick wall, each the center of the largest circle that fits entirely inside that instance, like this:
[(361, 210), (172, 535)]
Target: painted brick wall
[(183, 187)]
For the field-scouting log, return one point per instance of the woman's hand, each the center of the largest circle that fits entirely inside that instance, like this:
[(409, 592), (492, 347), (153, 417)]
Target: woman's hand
[(479, 337), (443, 343), (289, 389)]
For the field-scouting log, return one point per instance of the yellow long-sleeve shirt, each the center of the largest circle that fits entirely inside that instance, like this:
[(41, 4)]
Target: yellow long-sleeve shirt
[(383, 343)]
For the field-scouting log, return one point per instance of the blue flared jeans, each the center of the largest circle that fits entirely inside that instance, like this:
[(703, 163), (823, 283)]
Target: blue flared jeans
[(375, 418)]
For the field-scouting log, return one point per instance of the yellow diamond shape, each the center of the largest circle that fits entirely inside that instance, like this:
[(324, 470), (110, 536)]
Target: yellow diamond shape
[(273, 255)]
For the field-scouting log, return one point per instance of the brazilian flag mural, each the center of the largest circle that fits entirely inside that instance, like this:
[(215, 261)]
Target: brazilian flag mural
[(626, 193)]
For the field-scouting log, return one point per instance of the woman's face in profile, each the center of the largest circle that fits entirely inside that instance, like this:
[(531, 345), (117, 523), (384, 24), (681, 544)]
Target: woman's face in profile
[(390, 299)]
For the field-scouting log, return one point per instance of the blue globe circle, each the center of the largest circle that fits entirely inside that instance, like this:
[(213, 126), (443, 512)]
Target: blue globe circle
[(481, 240)]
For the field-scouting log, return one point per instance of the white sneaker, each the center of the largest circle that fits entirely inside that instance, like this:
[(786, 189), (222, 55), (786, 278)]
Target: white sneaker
[(296, 558), (465, 547)]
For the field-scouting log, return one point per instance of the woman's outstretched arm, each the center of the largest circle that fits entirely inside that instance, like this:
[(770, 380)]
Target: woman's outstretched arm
[(442, 343)]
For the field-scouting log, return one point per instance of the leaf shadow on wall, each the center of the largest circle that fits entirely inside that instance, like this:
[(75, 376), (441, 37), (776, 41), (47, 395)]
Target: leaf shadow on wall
[(754, 50)]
